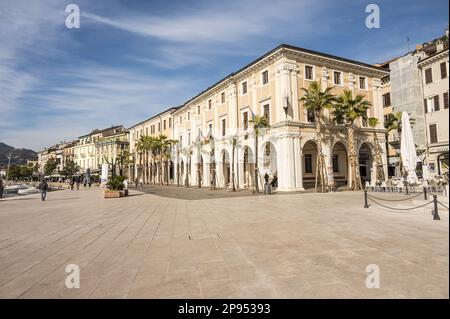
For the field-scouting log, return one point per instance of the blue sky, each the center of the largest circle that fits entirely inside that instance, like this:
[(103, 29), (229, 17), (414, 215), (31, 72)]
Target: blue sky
[(132, 59)]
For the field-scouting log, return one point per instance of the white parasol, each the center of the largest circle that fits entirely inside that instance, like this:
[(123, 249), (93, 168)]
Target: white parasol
[(408, 150)]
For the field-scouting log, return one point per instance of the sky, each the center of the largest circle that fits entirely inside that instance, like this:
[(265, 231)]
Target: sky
[(132, 59)]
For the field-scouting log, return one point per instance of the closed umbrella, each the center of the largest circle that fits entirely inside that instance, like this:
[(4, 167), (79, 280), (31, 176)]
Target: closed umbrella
[(408, 150)]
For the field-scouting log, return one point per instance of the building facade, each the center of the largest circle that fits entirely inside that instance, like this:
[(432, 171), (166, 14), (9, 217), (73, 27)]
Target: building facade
[(272, 86), (160, 124), (418, 84), (99, 147), (434, 70)]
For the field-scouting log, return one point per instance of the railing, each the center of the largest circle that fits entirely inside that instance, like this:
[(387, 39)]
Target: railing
[(377, 200)]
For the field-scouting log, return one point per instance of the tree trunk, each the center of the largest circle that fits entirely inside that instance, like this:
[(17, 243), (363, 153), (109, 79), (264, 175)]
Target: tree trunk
[(256, 162), (378, 159), (232, 169), (321, 174), (353, 159)]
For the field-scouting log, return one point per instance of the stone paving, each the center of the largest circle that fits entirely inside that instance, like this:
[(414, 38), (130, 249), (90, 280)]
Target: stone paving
[(278, 246)]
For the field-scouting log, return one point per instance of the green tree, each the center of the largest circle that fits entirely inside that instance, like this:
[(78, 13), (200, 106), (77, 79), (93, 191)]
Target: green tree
[(50, 166), (259, 123), (70, 169), (317, 100), (346, 111)]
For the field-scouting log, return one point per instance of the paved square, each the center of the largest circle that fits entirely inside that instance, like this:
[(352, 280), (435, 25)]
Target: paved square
[(278, 246)]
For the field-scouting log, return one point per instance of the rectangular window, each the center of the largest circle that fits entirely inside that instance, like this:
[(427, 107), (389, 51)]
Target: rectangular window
[(222, 97), (443, 70), (445, 100), (335, 163), (223, 127), (188, 116), (436, 103), (181, 141), (430, 104), (198, 110), (266, 112), (265, 77), (433, 133), (310, 116), (170, 122), (244, 88), (362, 82), (164, 125), (308, 163), (181, 119), (210, 128), (428, 76), (209, 104), (189, 139), (337, 78), (386, 99), (309, 72), (146, 131), (245, 121)]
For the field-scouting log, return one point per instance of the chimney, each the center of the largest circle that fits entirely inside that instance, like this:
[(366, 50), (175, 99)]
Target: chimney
[(439, 45), (418, 47)]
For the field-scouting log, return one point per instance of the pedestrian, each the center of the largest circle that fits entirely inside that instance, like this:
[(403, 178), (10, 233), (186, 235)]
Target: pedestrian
[(141, 182), (125, 183), (72, 182), (78, 182), (1, 188), (43, 187), (84, 182), (136, 183)]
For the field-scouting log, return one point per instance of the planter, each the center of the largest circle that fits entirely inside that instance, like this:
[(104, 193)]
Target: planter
[(116, 193)]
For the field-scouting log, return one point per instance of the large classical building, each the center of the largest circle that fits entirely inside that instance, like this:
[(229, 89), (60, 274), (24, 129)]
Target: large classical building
[(270, 86)]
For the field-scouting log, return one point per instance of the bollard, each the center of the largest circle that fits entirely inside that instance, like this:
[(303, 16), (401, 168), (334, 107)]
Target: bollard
[(435, 214), (366, 204), (425, 193)]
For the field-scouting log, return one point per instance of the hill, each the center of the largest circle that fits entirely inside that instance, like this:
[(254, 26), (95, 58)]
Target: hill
[(18, 155)]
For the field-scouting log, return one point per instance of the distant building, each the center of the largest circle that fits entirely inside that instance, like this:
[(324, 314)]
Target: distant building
[(99, 147)]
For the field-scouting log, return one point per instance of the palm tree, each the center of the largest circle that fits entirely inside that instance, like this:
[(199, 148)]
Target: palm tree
[(346, 111), (317, 100), (259, 123), (373, 122)]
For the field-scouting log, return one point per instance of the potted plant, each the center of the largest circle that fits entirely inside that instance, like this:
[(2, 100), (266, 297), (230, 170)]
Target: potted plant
[(115, 187)]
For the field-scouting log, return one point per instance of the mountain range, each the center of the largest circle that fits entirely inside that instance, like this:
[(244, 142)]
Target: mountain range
[(19, 156)]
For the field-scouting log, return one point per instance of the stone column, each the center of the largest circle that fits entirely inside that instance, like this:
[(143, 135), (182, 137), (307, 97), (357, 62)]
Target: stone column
[(289, 161)]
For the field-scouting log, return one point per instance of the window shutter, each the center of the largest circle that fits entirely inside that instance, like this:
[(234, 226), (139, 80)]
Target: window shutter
[(436, 103), (425, 106), (446, 100), (428, 76), (443, 70), (433, 133)]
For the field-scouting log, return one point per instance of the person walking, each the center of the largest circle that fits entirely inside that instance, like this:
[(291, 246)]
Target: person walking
[(1, 188), (43, 186), (72, 182), (141, 183), (136, 181), (78, 182)]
